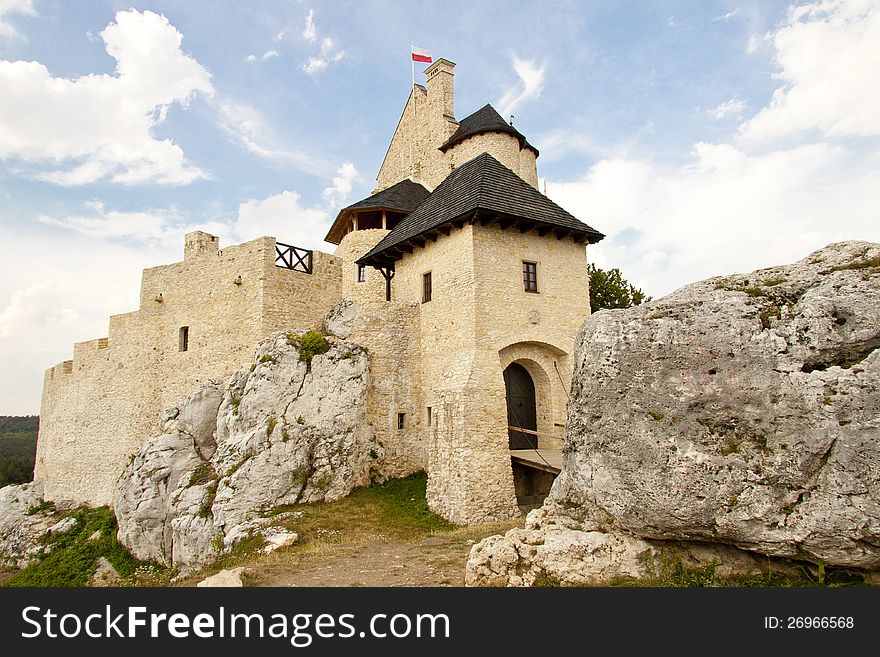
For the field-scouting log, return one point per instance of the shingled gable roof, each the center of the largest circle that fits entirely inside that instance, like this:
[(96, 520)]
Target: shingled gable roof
[(485, 119), (404, 196), (485, 185)]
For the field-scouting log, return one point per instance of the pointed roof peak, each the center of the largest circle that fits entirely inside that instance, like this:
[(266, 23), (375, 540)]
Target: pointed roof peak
[(485, 119)]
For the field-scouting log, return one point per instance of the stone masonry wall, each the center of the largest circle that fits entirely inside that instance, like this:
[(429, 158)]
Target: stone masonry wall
[(413, 152), (390, 331), (504, 147), (99, 407), (428, 120)]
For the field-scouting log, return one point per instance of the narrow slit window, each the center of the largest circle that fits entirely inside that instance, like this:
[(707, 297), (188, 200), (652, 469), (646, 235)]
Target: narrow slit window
[(401, 421), (530, 276), (183, 338), (362, 274), (429, 416), (426, 287)]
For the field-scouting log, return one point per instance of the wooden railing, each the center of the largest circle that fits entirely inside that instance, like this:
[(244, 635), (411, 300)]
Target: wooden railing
[(293, 257)]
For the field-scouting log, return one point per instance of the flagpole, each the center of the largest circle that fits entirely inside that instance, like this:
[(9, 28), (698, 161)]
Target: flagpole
[(412, 63)]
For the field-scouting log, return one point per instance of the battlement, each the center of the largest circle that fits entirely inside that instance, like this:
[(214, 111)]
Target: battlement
[(198, 319)]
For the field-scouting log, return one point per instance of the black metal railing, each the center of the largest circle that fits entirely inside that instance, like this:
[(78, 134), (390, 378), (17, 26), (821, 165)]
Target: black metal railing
[(293, 257)]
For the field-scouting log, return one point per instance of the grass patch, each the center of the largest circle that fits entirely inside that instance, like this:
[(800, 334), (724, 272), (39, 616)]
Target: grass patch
[(770, 282), (202, 474), (41, 507), (266, 358), (656, 416), (396, 509), (236, 466), (73, 558), (674, 573), (205, 511), (868, 263)]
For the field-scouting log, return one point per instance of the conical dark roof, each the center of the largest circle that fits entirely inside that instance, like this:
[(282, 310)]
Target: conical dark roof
[(482, 184), (404, 196), (485, 119)]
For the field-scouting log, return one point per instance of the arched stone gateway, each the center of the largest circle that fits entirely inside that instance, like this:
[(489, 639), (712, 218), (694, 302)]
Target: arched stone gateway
[(535, 393), (521, 408)]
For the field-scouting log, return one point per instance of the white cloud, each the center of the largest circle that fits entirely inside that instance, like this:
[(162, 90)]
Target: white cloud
[(725, 17), (65, 295), (245, 125), (529, 86), (250, 58), (284, 217), (735, 207), (310, 33), (9, 7), (337, 194), (100, 126), (724, 211), (753, 44), (329, 53), (732, 107), (829, 61), (269, 54)]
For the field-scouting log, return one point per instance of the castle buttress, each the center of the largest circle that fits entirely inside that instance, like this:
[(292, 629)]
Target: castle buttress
[(467, 285)]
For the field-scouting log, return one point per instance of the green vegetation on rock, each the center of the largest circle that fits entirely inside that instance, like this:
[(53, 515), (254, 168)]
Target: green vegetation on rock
[(73, 556)]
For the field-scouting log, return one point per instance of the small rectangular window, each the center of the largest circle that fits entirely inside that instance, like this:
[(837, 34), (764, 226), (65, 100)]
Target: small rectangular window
[(429, 416), (401, 420), (362, 274), (426, 287), (183, 338), (530, 276)]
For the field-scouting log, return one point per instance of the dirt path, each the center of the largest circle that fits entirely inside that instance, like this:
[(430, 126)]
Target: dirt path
[(437, 560)]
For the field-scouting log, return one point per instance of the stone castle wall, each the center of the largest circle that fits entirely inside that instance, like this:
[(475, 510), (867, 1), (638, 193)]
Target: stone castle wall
[(98, 408)]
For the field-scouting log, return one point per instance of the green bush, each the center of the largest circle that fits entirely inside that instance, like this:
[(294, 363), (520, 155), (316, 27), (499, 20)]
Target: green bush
[(309, 344)]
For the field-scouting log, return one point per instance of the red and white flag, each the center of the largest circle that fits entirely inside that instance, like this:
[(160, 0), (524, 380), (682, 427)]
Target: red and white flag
[(421, 55)]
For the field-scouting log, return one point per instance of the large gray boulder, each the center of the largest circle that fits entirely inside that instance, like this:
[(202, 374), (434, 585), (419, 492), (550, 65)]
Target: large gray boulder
[(739, 411), (21, 524), (281, 431)]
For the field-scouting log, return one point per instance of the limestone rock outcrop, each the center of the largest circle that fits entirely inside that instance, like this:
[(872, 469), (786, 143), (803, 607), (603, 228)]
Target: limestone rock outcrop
[(281, 431), (340, 320), (21, 524), (741, 411)]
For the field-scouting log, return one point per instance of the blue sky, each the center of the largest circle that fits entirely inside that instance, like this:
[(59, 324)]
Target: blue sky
[(702, 137)]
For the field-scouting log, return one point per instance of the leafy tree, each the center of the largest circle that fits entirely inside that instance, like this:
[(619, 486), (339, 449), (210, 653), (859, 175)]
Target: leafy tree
[(609, 289)]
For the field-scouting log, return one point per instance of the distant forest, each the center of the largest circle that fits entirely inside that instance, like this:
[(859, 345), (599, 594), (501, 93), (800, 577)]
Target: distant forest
[(18, 448)]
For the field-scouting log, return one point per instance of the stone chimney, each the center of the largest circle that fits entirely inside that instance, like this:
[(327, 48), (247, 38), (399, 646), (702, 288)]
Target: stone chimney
[(199, 243), (441, 89)]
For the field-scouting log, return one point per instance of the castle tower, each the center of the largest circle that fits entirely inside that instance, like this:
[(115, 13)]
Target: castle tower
[(429, 143), (490, 280)]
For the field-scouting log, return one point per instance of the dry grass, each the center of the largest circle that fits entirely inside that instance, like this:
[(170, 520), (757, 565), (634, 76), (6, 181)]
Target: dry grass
[(362, 529)]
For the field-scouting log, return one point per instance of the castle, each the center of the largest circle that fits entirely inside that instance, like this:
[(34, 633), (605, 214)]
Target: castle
[(467, 286)]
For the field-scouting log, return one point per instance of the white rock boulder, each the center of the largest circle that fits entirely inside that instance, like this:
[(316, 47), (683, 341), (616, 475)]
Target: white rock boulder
[(739, 411)]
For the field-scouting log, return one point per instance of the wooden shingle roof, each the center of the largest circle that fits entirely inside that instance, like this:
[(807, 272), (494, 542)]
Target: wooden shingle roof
[(404, 196), (485, 119), (484, 188)]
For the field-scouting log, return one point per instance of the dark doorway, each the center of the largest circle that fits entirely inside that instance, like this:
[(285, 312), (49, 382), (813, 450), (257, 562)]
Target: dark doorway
[(521, 411)]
